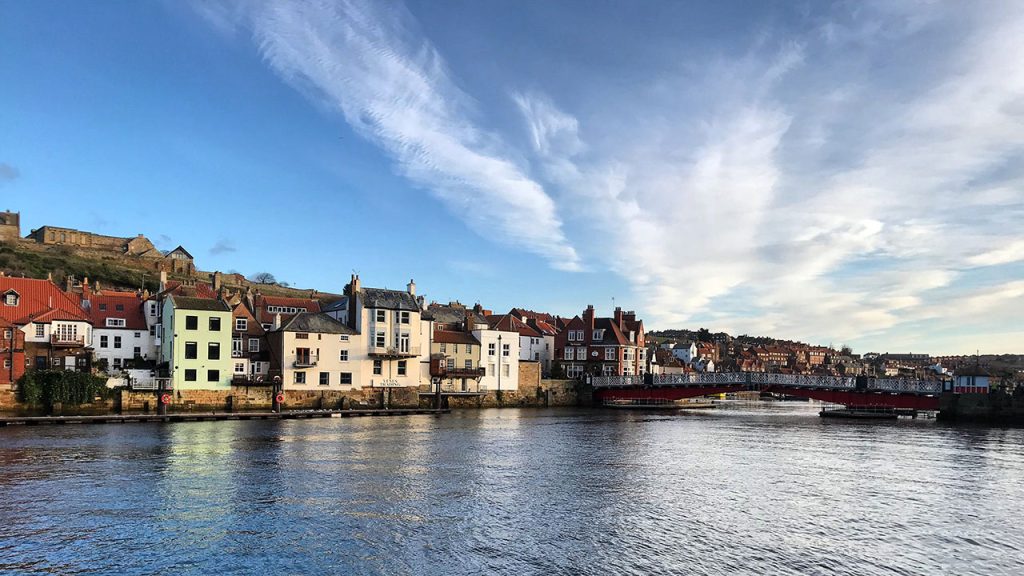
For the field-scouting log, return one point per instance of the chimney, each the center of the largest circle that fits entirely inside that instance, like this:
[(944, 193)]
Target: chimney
[(618, 318), (277, 322), (588, 319), (470, 323), (163, 280), (411, 287), (218, 281), (353, 303)]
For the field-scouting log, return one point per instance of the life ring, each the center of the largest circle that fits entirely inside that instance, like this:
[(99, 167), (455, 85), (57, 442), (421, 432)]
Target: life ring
[(165, 399), (279, 398)]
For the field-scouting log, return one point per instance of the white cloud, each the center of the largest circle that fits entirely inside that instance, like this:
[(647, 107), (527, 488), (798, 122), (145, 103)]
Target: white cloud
[(365, 60), (1011, 252)]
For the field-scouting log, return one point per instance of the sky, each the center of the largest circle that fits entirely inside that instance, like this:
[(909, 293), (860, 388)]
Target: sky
[(837, 173)]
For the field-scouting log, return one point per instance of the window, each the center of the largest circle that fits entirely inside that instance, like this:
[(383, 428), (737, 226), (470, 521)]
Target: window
[(455, 348), (450, 363), (254, 344), (444, 348), (138, 334), (8, 334), (401, 367), (581, 353), (469, 364), (39, 330), (325, 378), (599, 335), (609, 353), (236, 345), (213, 351), (573, 371), (300, 378), (344, 337), (117, 341), (302, 356), (346, 378), (191, 351), (115, 322), (378, 367), (570, 353), (504, 369), (469, 348), (343, 356), (214, 324), (103, 307), (505, 348), (239, 368), (490, 369), (11, 298), (152, 330), (119, 307), (380, 339), (490, 348), (302, 336), (241, 324), (7, 363), (190, 375), (404, 317), (136, 351), (267, 326), (191, 322), (608, 370), (382, 316), (103, 341)]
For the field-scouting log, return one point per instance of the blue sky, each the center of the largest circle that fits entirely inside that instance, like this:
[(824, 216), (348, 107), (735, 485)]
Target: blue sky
[(846, 173)]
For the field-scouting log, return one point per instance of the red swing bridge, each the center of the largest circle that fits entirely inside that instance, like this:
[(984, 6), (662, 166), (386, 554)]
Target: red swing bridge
[(852, 392)]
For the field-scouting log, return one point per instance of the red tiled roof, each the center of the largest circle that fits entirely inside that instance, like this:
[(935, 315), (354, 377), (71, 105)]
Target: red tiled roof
[(105, 306), (197, 290), (261, 302), (510, 323), (450, 337), (39, 300)]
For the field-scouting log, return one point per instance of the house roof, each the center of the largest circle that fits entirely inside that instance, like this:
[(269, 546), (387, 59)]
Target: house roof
[(39, 301), (388, 299), (182, 250), (192, 290), (206, 304), (452, 337), (103, 306), (316, 323), (510, 323), (252, 326), (261, 303)]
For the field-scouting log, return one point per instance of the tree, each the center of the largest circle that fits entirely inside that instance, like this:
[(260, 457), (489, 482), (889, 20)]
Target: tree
[(263, 278), (703, 335)]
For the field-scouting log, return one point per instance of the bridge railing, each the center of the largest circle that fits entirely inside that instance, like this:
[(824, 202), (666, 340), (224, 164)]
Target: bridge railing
[(905, 385), (803, 381), (607, 381), (700, 379)]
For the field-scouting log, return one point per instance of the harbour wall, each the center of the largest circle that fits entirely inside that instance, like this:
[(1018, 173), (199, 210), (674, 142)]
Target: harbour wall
[(996, 408)]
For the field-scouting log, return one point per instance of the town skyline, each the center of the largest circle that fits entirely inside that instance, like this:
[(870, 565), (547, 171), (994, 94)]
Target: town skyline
[(725, 172)]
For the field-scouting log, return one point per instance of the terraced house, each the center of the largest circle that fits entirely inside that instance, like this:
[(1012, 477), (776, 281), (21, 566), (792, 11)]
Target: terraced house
[(317, 352), (57, 331), (602, 346), (196, 342)]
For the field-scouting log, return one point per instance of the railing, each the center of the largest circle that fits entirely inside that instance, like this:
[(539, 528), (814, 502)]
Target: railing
[(305, 361), (68, 341), (765, 379), (444, 372), (395, 351), (237, 354), (905, 385), (152, 384)]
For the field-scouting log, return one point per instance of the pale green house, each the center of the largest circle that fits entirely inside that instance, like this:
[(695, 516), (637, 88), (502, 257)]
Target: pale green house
[(196, 343)]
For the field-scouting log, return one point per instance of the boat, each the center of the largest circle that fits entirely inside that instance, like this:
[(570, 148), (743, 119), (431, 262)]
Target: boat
[(655, 404)]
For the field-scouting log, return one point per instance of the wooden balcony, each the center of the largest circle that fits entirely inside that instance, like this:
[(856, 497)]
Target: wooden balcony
[(391, 352), (445, 372), (58, 341)]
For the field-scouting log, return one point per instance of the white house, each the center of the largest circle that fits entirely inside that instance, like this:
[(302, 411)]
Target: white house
[(685, 351), (121, 338), (499, 355), (316, 352)]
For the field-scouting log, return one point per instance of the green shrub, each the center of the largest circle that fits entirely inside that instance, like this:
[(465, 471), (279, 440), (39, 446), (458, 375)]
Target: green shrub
[(48, 387)]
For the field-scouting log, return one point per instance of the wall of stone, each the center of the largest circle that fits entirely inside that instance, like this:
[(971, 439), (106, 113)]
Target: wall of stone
[(996, 407), (546, 393), (246, 398)]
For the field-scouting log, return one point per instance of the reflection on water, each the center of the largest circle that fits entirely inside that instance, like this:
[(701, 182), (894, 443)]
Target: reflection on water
[(750, 488)]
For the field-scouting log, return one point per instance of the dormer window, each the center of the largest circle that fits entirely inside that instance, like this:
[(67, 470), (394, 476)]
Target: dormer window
[(11, 298), (115, 322), (599, 335)]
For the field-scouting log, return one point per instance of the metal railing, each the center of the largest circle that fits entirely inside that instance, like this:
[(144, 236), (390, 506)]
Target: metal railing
[(305, 361), (395, 351), (766, 379), (905, 385)]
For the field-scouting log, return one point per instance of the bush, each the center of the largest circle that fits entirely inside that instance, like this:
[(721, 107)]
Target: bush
[(48, 387)]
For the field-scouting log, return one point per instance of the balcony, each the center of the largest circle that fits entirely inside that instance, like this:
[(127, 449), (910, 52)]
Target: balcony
[(58, 341), (304, 362), (237, 354), (394, 351), (444, 372)]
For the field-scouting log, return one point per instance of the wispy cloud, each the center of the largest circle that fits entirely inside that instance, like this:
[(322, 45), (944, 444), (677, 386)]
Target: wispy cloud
[(223, 246), (8, 172), (392, 86)]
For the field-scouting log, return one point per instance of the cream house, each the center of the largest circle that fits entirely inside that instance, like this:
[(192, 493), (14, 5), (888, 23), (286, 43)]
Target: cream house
[(316, 352)]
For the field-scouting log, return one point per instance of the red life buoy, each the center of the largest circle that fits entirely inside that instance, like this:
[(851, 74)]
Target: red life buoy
[(279, 398), (165, 399)]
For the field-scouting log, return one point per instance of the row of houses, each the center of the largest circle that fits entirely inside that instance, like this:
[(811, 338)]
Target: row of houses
[(193, 335)]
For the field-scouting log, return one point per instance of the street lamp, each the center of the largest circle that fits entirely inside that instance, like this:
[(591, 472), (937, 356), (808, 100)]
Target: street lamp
[(500, 353)]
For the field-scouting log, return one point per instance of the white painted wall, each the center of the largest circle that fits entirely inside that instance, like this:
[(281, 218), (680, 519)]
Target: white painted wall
[(507, 365)]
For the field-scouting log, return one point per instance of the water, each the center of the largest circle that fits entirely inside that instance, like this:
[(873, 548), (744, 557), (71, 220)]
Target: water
[(752, 489)]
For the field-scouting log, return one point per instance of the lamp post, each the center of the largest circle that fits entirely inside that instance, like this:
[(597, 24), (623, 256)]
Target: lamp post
[(500, 354), (275, 392)]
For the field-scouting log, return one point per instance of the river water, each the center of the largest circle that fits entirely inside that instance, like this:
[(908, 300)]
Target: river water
[(745, 489)]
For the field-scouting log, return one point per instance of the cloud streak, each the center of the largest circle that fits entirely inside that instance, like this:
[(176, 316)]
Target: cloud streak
[(366, 61)]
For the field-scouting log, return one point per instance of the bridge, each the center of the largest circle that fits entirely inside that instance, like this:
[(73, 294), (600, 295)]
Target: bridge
[(853, 392)]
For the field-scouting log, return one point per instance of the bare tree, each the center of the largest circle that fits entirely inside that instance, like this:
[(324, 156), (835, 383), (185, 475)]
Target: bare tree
[(263, 278)]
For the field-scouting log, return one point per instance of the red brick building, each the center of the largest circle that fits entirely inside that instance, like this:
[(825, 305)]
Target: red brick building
[(602, 346)]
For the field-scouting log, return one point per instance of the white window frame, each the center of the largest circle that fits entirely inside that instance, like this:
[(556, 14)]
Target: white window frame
[(115, 322), (343, 356), (609, 353), (241, 324), (254, 344)]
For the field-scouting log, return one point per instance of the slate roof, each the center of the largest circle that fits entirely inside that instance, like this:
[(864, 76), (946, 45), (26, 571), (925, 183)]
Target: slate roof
[(206, 304), (388, 299), (317, 323)]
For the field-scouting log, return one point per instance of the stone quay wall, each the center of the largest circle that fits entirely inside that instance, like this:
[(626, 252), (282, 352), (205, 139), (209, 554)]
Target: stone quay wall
[(545, 393), (250, 398)]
